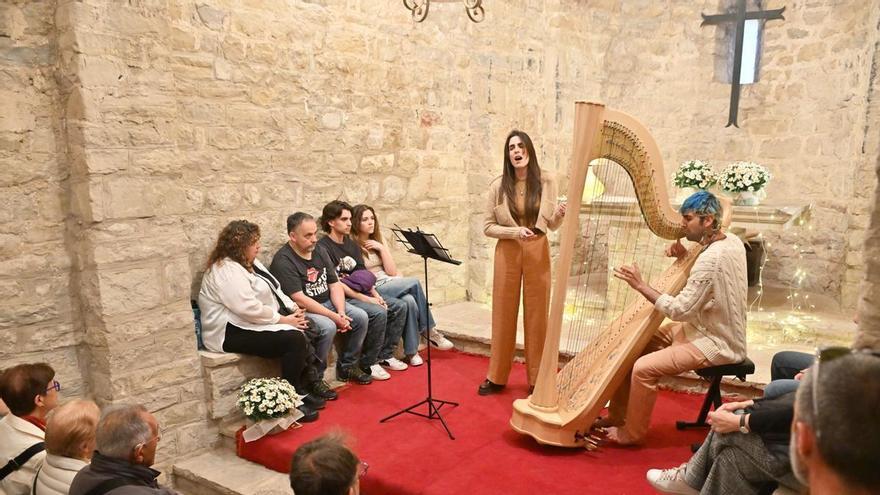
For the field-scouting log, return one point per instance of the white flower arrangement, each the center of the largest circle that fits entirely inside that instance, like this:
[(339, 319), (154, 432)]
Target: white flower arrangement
[(743, 176), (267, 398), (694, 173)]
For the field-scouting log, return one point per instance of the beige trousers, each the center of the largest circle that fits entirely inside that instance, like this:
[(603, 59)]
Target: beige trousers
[(669, 353), (519, 265)]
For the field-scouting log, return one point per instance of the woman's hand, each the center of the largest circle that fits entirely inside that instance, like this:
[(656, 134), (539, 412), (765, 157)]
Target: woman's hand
[(723, 421), (374, 246), (526, 234), (297, 320), (560, 209)]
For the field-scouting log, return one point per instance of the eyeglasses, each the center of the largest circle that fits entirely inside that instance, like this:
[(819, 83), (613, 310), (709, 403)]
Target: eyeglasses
[(362, 469), (826, 355), (156, 437), (55, 386)]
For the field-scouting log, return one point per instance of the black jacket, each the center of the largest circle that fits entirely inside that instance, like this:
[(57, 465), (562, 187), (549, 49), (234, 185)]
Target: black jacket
[(140, 480)]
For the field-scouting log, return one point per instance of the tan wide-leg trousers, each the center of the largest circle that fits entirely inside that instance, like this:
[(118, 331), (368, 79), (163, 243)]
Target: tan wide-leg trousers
[(526, 265), (669, 353)]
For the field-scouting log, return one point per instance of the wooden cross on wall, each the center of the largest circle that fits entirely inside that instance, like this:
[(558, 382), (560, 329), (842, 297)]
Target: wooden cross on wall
[(739, 17)]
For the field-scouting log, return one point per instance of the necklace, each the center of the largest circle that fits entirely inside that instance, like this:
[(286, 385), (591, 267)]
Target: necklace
[(521, 190)]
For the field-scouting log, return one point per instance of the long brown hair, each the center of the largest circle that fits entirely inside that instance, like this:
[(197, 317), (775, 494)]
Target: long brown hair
[(533, 181), (232, 242), (357, 214)]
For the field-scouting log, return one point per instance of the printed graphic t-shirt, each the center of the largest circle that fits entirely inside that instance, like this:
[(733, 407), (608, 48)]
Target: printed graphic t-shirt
[(346, 257), (297, 274)]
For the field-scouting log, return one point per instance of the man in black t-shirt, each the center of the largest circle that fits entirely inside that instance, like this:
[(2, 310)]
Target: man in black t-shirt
[(309, 277), (387, 316)]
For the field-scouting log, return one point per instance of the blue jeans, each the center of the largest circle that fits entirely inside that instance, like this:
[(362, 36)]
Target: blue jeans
[(377, 321), (418, 315), (352, 340), (397, 314), (783, 368)]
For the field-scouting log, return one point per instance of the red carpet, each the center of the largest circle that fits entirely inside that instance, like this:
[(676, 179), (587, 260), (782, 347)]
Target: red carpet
[(413, 455)]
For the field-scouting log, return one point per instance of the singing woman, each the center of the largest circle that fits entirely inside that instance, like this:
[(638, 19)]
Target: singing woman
[(521, 207)]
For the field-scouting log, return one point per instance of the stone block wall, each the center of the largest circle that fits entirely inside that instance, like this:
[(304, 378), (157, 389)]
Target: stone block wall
[(39, 319)]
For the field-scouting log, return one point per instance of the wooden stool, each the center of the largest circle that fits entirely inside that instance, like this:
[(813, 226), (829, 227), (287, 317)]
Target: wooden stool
[(713, 397)]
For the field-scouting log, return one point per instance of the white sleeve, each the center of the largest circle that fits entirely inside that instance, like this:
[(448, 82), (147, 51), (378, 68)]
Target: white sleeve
[(236, 293)]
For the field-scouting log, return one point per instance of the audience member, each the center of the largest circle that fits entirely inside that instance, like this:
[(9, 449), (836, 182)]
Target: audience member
[(31, 392), (70, 441), (127, 438), (386, 316), (835, 440), (786, 370), (390, 284), (746, 449), (308, 276), (708, 314), (243, 310), (326, 466)]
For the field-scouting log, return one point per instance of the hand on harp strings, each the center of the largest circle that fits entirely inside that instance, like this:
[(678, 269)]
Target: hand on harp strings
[(630, 275), (676, 250)]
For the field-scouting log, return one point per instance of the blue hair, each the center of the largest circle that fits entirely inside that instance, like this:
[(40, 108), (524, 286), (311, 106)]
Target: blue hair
[(703, 203)]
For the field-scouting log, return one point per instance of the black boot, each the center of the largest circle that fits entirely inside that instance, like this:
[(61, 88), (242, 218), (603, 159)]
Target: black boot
[(314, 402), (488, 388), (309, 414)]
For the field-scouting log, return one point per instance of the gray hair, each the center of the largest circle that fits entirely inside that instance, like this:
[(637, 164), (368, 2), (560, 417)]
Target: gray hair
[(847, 402), (121, 429)]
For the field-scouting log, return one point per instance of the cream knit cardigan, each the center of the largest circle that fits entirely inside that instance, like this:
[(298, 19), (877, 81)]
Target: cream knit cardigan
[(713, 302)]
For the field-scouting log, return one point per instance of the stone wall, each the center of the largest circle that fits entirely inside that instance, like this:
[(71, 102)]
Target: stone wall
[(39, 319), (131, 132)]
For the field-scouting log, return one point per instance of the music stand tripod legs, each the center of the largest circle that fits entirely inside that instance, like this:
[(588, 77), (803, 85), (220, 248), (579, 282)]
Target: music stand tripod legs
[(433, 404)]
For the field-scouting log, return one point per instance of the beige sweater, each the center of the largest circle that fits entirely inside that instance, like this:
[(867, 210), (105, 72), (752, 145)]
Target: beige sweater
[(714, 302), (498, 222)]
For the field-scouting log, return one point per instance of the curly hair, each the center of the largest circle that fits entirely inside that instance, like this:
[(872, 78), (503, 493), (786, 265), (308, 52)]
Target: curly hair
[(237, 236)]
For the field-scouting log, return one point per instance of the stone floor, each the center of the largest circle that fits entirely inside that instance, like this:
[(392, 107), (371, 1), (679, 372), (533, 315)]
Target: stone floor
[(773, 328)]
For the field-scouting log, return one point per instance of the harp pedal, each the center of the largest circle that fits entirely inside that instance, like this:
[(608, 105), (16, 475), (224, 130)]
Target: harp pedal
[(591, 442)]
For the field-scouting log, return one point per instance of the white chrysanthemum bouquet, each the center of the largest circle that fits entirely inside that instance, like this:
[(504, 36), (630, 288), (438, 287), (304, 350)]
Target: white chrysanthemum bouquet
[(694, 173), (743, 176), (267, 398)]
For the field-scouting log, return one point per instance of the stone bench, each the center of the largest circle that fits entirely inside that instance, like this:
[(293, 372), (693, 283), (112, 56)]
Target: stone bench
[(225, 373)]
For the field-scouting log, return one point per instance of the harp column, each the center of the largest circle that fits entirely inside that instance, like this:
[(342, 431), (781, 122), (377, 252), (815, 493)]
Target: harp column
[(588, 116)]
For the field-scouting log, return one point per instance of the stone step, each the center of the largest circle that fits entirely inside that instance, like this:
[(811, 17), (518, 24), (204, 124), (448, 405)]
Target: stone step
[(221, 472)]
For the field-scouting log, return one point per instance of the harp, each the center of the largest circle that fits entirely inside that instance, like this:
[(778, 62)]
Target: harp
[(607, 324)]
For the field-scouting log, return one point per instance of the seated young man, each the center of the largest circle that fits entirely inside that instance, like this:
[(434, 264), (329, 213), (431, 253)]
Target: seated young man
[(387, 316), (308, 276), (709, 318)]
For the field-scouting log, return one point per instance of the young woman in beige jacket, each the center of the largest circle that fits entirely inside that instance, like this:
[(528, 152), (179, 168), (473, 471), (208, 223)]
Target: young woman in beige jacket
[(520, 208)]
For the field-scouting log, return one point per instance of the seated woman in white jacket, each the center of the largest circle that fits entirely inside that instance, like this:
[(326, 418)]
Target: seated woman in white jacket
[(243, 310), (70, 441)]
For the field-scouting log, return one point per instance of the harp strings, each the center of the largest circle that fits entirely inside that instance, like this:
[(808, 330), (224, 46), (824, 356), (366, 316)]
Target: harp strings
[(613, 233)]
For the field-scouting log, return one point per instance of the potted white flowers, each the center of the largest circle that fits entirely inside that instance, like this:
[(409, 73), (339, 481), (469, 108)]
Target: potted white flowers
[(694, 173), (747, 179), (271, 406)]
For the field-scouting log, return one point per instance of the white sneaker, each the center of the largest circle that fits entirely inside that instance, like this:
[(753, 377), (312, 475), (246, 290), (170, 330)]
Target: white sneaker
[(440, 342), (416, 360), (394, 364), (378, 373), (670, 481)]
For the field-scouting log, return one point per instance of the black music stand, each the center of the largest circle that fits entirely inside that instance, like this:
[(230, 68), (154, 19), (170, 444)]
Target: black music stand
[(427, 246)]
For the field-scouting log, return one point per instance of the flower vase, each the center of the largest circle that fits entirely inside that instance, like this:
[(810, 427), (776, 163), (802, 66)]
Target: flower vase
[(258, 429), (749, 198), (684, 193)]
